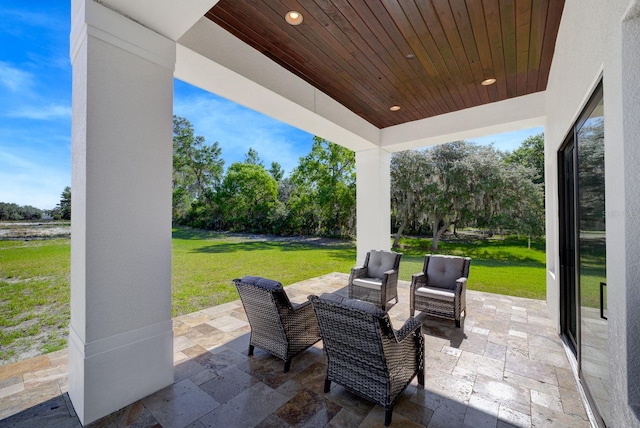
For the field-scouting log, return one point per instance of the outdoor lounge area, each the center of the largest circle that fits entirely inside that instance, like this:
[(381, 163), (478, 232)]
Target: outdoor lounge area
[(504, 367), (377, 78)]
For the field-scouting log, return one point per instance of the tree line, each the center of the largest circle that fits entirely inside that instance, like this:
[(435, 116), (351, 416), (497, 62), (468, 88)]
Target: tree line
[(433, 190), (451, 186), (317, 198), (15, 212)]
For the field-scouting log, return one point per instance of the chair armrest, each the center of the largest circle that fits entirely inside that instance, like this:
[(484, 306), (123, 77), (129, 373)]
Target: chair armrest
[(390, 276), (418, 280), (410, 326), (359, 272), (301, 318), (461, 284), (300, 306)]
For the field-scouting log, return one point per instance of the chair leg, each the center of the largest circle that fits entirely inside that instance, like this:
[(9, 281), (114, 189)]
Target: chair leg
[(327, 385), (287, 365), (250, 353), (388, 412), (421, 377), (458, 323)]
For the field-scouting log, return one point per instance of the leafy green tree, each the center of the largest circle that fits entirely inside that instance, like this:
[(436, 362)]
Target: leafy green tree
[(276, 171), (325, 180), (62, 211), (530, 154), (247, 196), (461, 184), (10, 211), (410, 178), (252, 158), (197, 170)]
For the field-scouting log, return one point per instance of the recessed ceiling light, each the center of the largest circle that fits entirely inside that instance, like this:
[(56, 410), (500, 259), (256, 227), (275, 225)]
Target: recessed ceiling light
[(487, 82), (410, 56), (293, 17), (394, 108)]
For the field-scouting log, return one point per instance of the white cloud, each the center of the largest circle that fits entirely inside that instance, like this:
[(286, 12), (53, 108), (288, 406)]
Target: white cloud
[(14, 79), (48, 112)]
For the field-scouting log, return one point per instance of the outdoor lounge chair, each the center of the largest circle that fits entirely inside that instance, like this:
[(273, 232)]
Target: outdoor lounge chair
[(364, 354), (441, 288), (377, 280), (282, 328)]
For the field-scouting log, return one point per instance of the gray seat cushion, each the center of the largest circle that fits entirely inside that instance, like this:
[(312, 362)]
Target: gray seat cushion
[(436, 293), (444, 271), (380, 262), (360, 305), (373, 283), (267, 284)]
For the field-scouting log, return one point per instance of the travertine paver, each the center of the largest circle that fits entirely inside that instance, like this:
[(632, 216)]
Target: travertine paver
[(505, 367)]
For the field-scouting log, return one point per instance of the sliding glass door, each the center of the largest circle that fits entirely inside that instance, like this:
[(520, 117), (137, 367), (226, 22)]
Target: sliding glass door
[(583, 245)]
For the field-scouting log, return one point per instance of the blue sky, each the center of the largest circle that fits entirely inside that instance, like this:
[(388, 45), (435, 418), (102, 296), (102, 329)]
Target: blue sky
[(35, 110)]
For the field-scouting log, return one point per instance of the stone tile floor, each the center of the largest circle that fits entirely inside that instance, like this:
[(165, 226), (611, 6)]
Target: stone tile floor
[(505, 368)]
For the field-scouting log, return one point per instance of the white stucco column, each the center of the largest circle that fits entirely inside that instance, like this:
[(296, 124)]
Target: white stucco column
[(373, 190), (120, 339), (622, 156)]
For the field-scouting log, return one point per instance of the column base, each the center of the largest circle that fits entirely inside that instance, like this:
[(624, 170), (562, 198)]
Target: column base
[(109, 374)]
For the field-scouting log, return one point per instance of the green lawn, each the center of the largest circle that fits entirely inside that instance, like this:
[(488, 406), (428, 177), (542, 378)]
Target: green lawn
[(34, 297), (204, 263), (34, 276), (497, 266)]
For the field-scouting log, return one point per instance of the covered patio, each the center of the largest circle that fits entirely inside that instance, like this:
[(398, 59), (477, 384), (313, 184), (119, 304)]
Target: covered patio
[(505, 367), (377, 78)]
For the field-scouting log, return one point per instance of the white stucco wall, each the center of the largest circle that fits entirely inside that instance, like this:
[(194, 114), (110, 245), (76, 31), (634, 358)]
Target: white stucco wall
[(591, 42)]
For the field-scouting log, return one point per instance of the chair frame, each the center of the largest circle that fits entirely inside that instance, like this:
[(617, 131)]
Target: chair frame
[(279, 327), (366, 356), (437, 307), (388, 290)]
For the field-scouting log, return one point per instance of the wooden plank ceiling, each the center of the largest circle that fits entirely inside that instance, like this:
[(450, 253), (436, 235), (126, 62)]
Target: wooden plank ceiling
[(426, 56)]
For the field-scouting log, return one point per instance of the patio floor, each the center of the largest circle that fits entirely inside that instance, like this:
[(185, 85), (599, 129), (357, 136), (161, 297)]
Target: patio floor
[(505, 367)]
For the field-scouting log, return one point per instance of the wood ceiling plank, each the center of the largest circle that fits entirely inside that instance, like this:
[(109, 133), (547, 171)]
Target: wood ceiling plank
[(438, 93), (413, 28), (401, 21), (554, 14), (478, 24), (523, 32), (346, 30), (456, 45), (260, 18), (381, 44), (427, 24), (315, 36), (538, 22), (508, 24), (356, 50), (494, 32)]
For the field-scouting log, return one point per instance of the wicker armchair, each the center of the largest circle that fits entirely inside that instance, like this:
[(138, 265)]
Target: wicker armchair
[(277, 326), (441, 288), (364, 354), (377, 280)]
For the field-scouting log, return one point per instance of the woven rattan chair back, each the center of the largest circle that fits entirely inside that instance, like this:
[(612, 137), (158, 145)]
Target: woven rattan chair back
[(365, 355), (276, 325)]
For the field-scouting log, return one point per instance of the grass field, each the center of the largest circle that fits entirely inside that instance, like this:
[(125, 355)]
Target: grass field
[(34, 276)]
